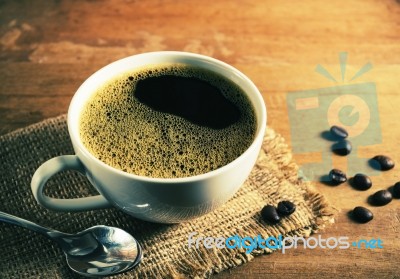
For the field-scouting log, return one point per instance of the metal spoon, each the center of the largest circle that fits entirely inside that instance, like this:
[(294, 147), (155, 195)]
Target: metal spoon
[(97, 251)]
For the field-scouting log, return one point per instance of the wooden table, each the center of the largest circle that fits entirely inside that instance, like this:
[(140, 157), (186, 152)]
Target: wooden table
[(48, 48)]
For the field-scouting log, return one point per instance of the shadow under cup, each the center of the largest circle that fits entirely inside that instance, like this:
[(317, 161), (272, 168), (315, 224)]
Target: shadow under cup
[(164, 200)]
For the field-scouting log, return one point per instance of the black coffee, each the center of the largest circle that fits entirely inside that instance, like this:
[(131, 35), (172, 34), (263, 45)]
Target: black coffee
[(191, 98), (168, 121)]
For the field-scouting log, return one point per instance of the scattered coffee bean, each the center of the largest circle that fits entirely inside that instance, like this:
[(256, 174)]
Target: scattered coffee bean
[(337, 176), (342, 147), (285, 208), (396, 190), (339, 132), (381, 197), (269, 214), (362, 214), (382, 162), (361, 182)]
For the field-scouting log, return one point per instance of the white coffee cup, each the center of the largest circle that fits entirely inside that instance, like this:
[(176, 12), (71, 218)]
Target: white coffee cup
[(163, 200)]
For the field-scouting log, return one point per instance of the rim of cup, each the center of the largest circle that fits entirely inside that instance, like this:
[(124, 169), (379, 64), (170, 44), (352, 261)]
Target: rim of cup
[(101, 76)]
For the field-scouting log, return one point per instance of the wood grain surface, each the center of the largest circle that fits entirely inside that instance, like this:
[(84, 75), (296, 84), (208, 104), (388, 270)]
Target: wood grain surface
[(48, 48)]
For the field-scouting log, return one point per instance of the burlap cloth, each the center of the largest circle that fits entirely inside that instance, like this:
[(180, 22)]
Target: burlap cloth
[(25, 254)]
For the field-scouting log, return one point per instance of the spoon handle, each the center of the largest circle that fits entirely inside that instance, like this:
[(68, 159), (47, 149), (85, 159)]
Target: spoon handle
[(14, 220)]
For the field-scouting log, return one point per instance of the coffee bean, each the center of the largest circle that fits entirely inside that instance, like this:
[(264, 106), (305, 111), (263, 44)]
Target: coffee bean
[(361, 182), (381, 197), (362, 214), (339, 132), (396, 190), (382, 162), (269, 214), (337, 177), (285, 208), (342, 147)]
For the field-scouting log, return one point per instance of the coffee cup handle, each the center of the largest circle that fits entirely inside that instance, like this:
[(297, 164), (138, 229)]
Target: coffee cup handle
[(50, 168)]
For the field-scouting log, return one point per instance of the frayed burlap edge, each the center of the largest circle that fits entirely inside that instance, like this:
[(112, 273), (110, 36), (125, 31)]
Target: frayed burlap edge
[(218, 260), (202, 263)]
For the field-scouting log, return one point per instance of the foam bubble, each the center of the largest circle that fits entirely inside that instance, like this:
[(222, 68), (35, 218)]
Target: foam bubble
[(128, 135)]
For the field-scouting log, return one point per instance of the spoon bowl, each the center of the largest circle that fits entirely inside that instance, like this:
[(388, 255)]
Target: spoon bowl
[(100, 251), (96, 251)]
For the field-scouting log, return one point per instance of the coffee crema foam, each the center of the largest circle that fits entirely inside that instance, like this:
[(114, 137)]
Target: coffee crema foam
[(128, 135)]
